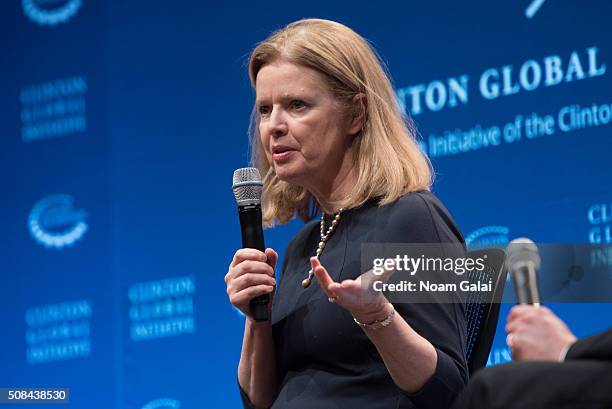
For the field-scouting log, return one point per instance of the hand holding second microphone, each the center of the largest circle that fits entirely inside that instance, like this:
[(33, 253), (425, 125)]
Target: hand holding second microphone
[(537, 334)]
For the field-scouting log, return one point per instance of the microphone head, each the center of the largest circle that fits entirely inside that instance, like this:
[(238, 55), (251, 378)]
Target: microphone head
[(520, 252), (247, 186)]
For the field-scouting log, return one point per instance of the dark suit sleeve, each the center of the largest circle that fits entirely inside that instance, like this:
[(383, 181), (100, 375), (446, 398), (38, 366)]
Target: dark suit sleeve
[(420, 218), (597, 347), (579, 384)]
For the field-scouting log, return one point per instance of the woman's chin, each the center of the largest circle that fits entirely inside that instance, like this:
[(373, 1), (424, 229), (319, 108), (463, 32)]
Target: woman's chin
[(288, 175)]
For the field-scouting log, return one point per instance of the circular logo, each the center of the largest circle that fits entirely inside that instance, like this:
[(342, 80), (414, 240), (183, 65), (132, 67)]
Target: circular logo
[(55, 223), (50, 12), (488, 236)]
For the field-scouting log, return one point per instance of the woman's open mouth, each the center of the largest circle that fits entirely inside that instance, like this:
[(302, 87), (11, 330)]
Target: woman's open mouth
[(280, 152)]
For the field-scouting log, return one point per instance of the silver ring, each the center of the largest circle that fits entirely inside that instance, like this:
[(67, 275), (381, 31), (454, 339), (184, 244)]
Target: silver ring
[(331, 299)]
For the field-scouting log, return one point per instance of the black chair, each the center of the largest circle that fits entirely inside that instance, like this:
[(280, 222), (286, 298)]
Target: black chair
[(481, 309)]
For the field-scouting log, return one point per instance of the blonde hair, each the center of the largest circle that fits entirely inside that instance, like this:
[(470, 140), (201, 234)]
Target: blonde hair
[(388, 162)]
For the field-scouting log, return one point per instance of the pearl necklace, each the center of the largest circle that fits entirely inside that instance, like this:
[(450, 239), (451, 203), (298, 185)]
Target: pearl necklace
[(324, 236)]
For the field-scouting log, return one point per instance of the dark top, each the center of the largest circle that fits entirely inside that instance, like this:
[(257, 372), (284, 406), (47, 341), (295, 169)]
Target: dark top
[(324, 359)]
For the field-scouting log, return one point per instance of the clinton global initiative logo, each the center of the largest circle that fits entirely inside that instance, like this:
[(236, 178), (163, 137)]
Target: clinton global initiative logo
[(600, 219), (50, 12), (163, 403), (55, 223), (488, 236)]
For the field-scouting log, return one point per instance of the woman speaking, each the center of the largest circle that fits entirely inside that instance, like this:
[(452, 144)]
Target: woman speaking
[(328, 137)]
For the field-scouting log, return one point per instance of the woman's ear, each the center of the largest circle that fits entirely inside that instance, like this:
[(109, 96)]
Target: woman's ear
[(357, 121)]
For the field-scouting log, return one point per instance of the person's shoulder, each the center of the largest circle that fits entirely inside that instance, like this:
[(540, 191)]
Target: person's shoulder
[(421, 205), (420, 201), (423, 215)]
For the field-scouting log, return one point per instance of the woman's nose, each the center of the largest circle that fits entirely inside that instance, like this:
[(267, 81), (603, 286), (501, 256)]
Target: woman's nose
[(278, 123)]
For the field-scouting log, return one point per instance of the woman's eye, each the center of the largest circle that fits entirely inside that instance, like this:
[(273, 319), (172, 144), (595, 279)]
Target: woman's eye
[(297, 104), (264, 110)]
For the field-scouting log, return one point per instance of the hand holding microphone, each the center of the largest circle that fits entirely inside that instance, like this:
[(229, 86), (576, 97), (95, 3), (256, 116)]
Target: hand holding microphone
[(537, 334), (534, 332), (251, 275), (250, 279)]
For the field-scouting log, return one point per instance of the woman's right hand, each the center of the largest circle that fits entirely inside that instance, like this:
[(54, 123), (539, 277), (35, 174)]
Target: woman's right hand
[(250, 274)]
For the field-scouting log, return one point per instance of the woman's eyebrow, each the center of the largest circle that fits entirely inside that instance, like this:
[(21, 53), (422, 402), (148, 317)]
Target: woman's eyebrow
[(286, 97)]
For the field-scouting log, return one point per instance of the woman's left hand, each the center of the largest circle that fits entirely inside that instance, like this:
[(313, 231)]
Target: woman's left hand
[(357, 296)]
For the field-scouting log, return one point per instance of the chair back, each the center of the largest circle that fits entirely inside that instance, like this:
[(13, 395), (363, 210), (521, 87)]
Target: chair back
[(482, 309)]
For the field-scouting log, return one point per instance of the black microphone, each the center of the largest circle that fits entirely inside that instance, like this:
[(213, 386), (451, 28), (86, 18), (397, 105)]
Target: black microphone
[(247, 187), (523, 262)]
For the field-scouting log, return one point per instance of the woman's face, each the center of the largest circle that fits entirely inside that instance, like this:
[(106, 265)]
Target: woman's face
[(301, 125)]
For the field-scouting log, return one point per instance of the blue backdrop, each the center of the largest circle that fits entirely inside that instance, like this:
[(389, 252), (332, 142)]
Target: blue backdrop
[(121, 125)]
